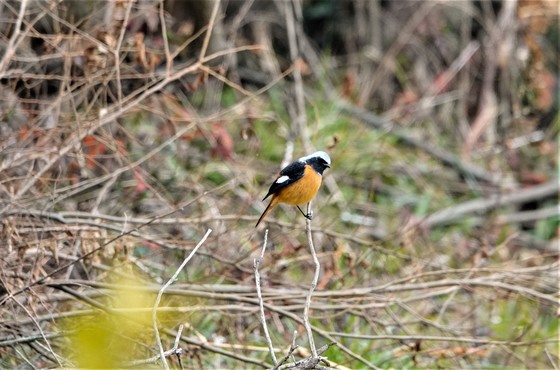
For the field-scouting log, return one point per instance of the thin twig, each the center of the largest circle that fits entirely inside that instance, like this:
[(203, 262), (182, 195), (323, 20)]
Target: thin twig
[(208, 35), (28, 339), (257, 261), (313, 284), (168, 57), (551, 359), (310, 362), (173, 351), (162, 290), (227, 81), (11, 47), (117, 51), (48, 345), (293, 347)]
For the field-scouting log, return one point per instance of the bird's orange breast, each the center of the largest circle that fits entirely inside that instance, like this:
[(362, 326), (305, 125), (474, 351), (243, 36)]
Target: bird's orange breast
[(303, 190)]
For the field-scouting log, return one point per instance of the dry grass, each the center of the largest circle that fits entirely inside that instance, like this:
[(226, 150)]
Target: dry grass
[(127, 131)]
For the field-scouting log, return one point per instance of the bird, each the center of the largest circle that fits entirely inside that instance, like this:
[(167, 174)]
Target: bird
[(298, 182)]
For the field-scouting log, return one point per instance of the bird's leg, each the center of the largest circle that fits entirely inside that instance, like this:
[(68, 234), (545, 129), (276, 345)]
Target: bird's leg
[(309, 215)]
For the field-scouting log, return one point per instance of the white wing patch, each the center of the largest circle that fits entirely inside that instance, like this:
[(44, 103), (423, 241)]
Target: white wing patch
[(282, 179)]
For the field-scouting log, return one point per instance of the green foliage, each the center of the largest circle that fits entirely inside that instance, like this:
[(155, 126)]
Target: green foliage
[(517, 318), (546, 228), (216, 177), (228, 97)]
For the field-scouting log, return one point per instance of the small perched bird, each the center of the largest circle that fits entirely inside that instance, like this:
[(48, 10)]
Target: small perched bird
[(298, 182)]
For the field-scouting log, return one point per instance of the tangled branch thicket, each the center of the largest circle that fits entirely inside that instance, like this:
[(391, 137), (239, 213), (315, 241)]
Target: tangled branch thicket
[(130, 128)]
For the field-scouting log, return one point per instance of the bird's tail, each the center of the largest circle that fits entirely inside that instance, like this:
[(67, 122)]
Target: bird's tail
[(272, 204)]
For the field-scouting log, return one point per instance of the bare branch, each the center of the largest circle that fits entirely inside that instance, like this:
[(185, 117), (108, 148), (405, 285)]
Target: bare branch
[(314, 283), (162, 290), (256, 263)]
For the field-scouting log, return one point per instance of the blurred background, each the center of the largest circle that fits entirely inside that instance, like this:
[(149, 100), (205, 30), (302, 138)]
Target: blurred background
[(130, 128)]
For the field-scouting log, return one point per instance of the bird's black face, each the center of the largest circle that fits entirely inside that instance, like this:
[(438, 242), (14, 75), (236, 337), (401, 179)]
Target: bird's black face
[(318, 164)]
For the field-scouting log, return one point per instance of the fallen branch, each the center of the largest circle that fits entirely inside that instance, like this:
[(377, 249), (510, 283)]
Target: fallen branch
[(459, 211)]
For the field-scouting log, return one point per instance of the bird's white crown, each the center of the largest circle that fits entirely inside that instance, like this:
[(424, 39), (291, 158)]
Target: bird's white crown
[(319, 154)]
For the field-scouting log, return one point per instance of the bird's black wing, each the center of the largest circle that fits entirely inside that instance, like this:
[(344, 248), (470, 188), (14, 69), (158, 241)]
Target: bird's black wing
[(289, 174)]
